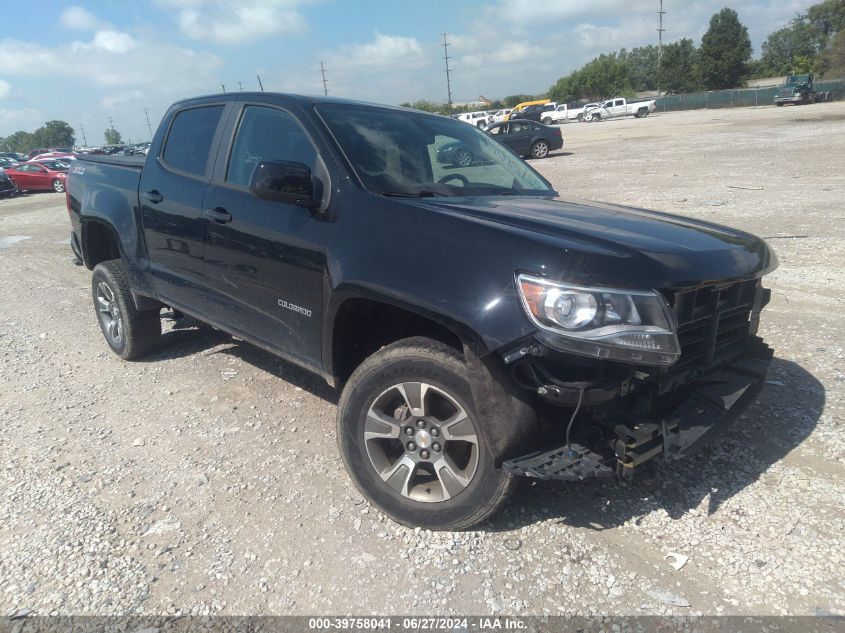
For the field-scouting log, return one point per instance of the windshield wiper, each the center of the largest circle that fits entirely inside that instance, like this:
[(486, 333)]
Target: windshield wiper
[(425, 193)]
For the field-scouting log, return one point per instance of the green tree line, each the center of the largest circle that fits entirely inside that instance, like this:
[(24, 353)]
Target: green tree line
[(51, 134), (813, 41)]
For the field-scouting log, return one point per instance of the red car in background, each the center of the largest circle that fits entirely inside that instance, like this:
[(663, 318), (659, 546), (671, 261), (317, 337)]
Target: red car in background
[(37, 177)]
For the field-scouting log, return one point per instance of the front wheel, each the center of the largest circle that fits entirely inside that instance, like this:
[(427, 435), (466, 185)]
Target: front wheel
[(58, 185), (540, 149), (129, 332), (546, 121), (412, 442)]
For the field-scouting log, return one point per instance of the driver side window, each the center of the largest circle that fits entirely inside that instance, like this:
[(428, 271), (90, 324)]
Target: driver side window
[(267, 134)]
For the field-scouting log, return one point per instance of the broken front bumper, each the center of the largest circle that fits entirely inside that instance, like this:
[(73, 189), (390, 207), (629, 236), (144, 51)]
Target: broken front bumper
[(715, 400)]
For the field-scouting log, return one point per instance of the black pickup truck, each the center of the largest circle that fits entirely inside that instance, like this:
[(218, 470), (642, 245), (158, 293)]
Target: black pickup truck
[(481, 327)]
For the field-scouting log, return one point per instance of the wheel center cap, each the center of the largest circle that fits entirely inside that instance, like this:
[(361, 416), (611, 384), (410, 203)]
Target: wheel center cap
[(423, 439)]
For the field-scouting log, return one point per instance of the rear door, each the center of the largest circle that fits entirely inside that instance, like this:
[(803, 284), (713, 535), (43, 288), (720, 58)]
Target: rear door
[(171, 197), (618, 108), (265, 260)]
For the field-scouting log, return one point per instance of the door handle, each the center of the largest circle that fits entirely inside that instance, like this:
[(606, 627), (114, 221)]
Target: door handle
[(153, 196), (219, 215)]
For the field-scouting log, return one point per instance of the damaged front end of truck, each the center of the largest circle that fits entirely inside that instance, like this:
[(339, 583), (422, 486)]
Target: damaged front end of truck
[(663, 375)]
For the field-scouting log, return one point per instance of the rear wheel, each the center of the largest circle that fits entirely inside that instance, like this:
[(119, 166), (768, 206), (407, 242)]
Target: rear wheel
[(58, 185), (411, 440), (129, 332), (540, 149), (463, 158), (547, 121)]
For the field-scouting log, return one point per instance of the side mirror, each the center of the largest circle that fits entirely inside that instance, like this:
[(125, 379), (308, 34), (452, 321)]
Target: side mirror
[(285, 181)]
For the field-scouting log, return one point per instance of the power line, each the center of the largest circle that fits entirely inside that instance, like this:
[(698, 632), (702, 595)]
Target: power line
[(448, 72), (325, 82), (660, 31), (149, 126)]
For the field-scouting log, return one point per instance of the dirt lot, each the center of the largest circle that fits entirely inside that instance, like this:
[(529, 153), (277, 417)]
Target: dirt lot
[(205, 479)]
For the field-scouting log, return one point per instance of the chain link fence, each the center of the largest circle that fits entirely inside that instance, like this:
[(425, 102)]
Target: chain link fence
[(738, 98)]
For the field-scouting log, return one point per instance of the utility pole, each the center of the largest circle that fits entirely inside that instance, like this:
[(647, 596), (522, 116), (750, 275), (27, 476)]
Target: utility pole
[(260, 85), (241, 86), (149, 127), (325, 82), (84, 140), (111, 123), (224, 87), (448, 72), (660, 31)]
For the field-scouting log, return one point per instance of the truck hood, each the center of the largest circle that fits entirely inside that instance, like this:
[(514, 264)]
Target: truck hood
[(623, 246)]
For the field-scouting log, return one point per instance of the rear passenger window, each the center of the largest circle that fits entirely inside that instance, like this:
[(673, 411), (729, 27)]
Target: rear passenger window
[(189, 142)]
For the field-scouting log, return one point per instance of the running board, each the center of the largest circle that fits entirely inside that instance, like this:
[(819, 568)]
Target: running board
[(561, 464)]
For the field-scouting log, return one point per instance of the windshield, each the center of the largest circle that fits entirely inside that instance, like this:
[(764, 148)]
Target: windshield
[(797, 79), (404, 153)]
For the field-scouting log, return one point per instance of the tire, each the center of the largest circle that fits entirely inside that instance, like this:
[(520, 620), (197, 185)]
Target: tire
[(58, 185), (399, 466), (463, 158), (642, 112), (546, 121), (129, 333), (539, 149), (581, 118), (595, 118)]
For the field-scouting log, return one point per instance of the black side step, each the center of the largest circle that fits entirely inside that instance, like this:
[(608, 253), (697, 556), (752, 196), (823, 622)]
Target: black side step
[(561, 464)]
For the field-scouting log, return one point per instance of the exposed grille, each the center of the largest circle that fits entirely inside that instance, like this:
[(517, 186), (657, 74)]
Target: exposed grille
[(712, 322)]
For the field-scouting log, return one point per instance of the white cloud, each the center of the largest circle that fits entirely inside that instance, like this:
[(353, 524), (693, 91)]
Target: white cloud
[(77, 18), (383, 51), (114, 41), (5, 89), (124, 99), (228, 22), (23, 119), (114, 59)]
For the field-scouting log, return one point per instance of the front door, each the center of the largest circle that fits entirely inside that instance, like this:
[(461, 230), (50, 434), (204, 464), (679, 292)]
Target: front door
[(171, 193), (264, 259), (518, 137)]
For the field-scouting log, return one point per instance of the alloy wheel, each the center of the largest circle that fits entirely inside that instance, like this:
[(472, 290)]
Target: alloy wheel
[(421, 442), (109, 314)]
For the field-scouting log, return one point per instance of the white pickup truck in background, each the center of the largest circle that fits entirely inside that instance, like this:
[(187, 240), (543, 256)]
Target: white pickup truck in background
[(564, 113), (620, 107)]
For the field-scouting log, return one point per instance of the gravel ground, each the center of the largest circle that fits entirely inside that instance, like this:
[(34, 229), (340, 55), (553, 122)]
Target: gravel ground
[(206, 480)]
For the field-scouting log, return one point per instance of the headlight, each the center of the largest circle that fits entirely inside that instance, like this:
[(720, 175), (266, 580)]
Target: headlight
[(628, 326)]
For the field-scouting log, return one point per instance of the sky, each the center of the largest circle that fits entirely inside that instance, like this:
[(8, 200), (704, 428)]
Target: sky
[(92, 62)]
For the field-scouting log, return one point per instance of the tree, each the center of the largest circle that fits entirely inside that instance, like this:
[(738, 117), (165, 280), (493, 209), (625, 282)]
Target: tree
[(782, 47), (112, 137), (679, 67), (54, 134), (827, 19), (832, 61), (725, 51), (642, 67), (20, 141)]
